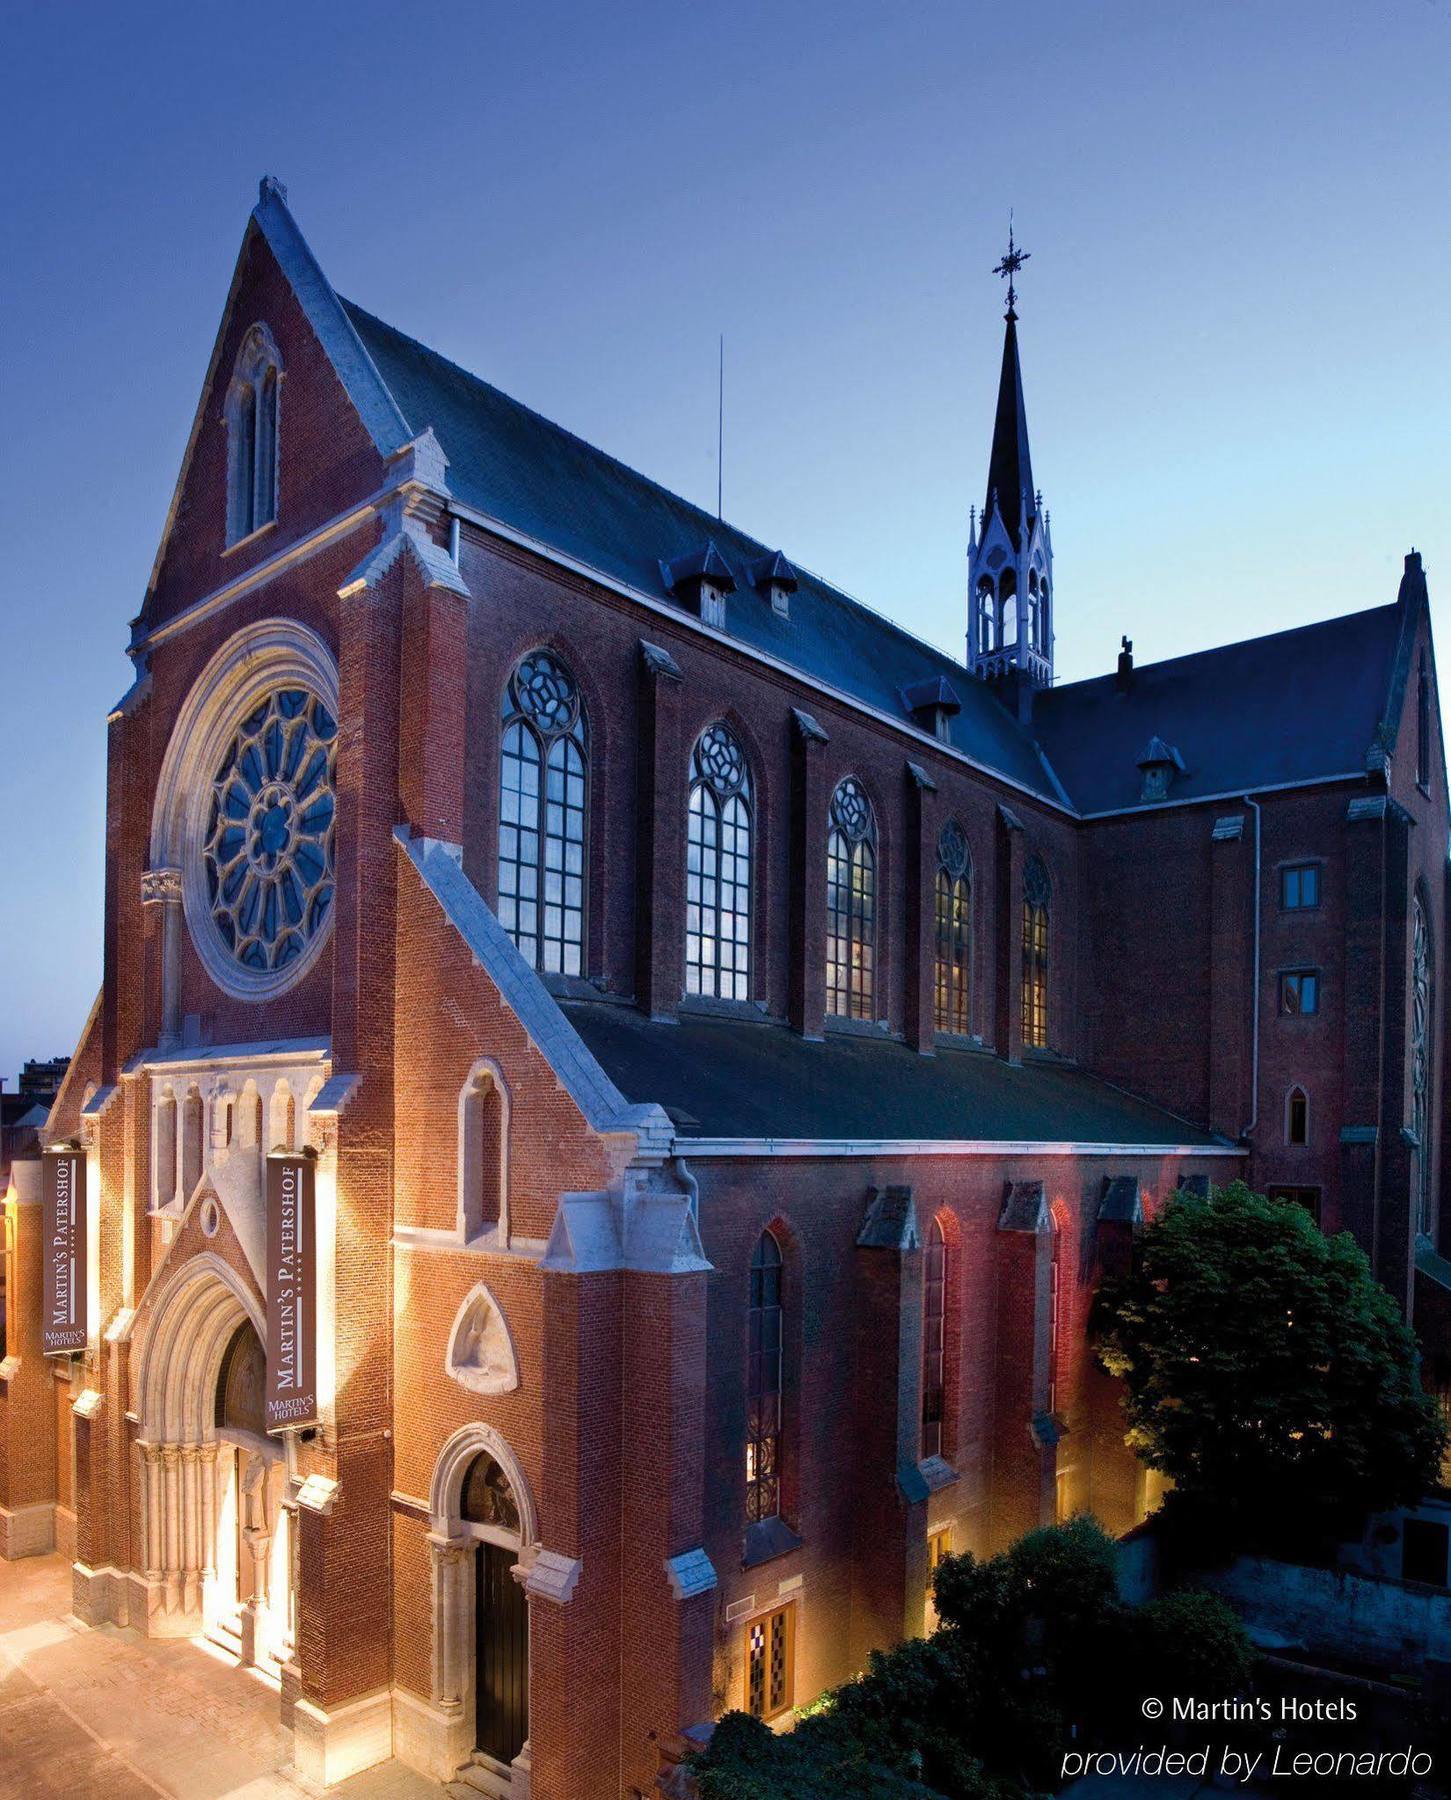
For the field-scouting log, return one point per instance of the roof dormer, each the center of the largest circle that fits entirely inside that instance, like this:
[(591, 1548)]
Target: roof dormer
[(1160, 763), (932, 704), (774, 579), (701, 579)]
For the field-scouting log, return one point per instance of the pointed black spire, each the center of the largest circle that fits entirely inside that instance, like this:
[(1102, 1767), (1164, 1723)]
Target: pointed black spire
[(1010, 467)]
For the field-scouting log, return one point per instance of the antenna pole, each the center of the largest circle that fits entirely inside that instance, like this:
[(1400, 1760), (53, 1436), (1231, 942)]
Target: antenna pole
[(720, 434)]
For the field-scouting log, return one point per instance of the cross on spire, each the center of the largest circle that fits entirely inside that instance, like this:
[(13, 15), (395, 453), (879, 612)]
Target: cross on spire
[(1010, 266)]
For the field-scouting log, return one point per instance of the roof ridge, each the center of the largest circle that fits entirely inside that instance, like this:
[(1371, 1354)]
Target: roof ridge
[(829, 587), (1269, 637)]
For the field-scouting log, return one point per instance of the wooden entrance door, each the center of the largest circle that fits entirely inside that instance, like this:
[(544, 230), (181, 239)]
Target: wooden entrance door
[(501, 1656)]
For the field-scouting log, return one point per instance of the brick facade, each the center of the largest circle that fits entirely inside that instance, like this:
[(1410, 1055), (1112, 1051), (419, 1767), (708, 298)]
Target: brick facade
[(609, 1263)]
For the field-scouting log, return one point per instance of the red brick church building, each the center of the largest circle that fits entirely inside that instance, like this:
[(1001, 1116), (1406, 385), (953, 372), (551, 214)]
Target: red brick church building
[(618, 1068)]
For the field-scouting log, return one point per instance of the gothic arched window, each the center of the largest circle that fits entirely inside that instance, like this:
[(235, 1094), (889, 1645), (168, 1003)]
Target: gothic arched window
[(851, 904), (251, 415), (934, 1339), (763, 1383), (543, 765), (1297, 1117), (954, 929), (1036, 894), (718, 869), (987, 617), (1421, 1059)]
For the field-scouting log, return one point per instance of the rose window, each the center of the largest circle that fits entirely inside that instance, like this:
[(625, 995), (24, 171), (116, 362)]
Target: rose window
[(268, 847)]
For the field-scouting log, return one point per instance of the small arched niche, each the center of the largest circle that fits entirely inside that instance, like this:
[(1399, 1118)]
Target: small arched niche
[(480, 1349), (483, 1155)]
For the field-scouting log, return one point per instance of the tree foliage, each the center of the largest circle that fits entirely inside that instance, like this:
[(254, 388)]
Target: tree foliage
[(1033, 1652), (1266, 1371)]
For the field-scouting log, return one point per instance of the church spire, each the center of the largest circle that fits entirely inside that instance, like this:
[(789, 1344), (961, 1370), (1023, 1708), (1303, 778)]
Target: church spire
[(1010, 561)]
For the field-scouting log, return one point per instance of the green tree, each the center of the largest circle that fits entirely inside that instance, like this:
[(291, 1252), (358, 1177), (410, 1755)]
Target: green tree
[(1266, 1371)]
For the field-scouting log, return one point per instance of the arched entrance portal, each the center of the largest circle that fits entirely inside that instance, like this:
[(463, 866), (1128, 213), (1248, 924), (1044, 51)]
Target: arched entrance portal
[(490, 1514), (485, 1534), (215, 1533)]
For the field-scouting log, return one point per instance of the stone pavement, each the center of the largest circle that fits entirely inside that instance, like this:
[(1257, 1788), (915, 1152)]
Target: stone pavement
[(110, 1715)]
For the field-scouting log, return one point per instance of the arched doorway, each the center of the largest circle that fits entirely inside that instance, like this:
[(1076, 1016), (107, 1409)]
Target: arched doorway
[(484, 1538), (215, 1545), (489, 1514)]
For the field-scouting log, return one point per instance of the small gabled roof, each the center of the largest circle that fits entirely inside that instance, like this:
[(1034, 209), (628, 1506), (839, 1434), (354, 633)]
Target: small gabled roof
[(704, 564), (772, 570)]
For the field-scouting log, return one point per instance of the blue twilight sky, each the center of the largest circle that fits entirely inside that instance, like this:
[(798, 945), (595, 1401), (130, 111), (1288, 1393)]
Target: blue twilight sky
[(1235, 324)]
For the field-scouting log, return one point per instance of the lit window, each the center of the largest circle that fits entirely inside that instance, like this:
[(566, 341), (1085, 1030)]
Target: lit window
[(251, 416), (939, 1548), (1299, 992), (1036, 891), (768, 1663), (1300, 887), (542, 768), (851, 902), (934, 1334), (954, 929), (718, 870), (763, 1384), (1297, 1117)]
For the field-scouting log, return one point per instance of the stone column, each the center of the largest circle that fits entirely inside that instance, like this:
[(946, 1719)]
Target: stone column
[(660, 836), (208, 1456), (1008, 974), (808, 876), (452, 1564), (921, 871), (889, 1551), (162, 887)]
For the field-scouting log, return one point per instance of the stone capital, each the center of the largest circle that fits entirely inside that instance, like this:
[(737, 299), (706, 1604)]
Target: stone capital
[(160, 885)]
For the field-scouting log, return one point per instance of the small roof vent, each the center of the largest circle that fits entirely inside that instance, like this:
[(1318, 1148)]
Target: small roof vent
[(775, 580), (1160, 763), (702, 579)]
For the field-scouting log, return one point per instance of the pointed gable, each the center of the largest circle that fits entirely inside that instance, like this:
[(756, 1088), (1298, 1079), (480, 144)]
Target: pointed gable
[(336, 421)]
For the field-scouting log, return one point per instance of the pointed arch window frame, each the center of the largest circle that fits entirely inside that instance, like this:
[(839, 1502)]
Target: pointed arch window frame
[(851, 903), (544, 814), (1297, 1130), (720, 868), (1037, 904), (952, 967), (765, 1378), (252, 415)]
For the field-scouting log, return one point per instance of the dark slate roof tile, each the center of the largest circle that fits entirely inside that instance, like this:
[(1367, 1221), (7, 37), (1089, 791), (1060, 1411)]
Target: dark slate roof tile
[(740, 1079), (539, 479), (1295, 706)]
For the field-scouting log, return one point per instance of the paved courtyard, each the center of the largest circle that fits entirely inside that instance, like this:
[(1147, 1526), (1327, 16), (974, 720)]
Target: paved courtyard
[(110, 1714)]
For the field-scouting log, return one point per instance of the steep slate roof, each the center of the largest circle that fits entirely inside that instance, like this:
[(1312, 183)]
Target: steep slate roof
[(543, 481), (1010, 466), (737, 1079), (1295, 706)]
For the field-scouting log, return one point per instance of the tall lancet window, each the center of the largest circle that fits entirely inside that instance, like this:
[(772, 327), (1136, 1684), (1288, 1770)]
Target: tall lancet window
[(1423, 725), (851, 904), (543, 767), (1036, 895), (251, 416), (718, 869), (1421, 1060), (954, 928), (934, 1339), (764, 1383)]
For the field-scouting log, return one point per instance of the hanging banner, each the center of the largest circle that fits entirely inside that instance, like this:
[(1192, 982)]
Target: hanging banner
[(63, 1222), (292, 1293)]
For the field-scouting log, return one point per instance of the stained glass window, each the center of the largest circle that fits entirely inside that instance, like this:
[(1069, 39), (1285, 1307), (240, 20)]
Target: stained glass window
[(1036, 893), (268, 848), (718, 869), (851, 902), (542, 779), (954, 929), (763, 1383), (768, 1664), (934, 1339)]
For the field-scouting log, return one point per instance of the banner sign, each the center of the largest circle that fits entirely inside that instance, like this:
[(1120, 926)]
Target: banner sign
[(63, 1222), (292, 1293)]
